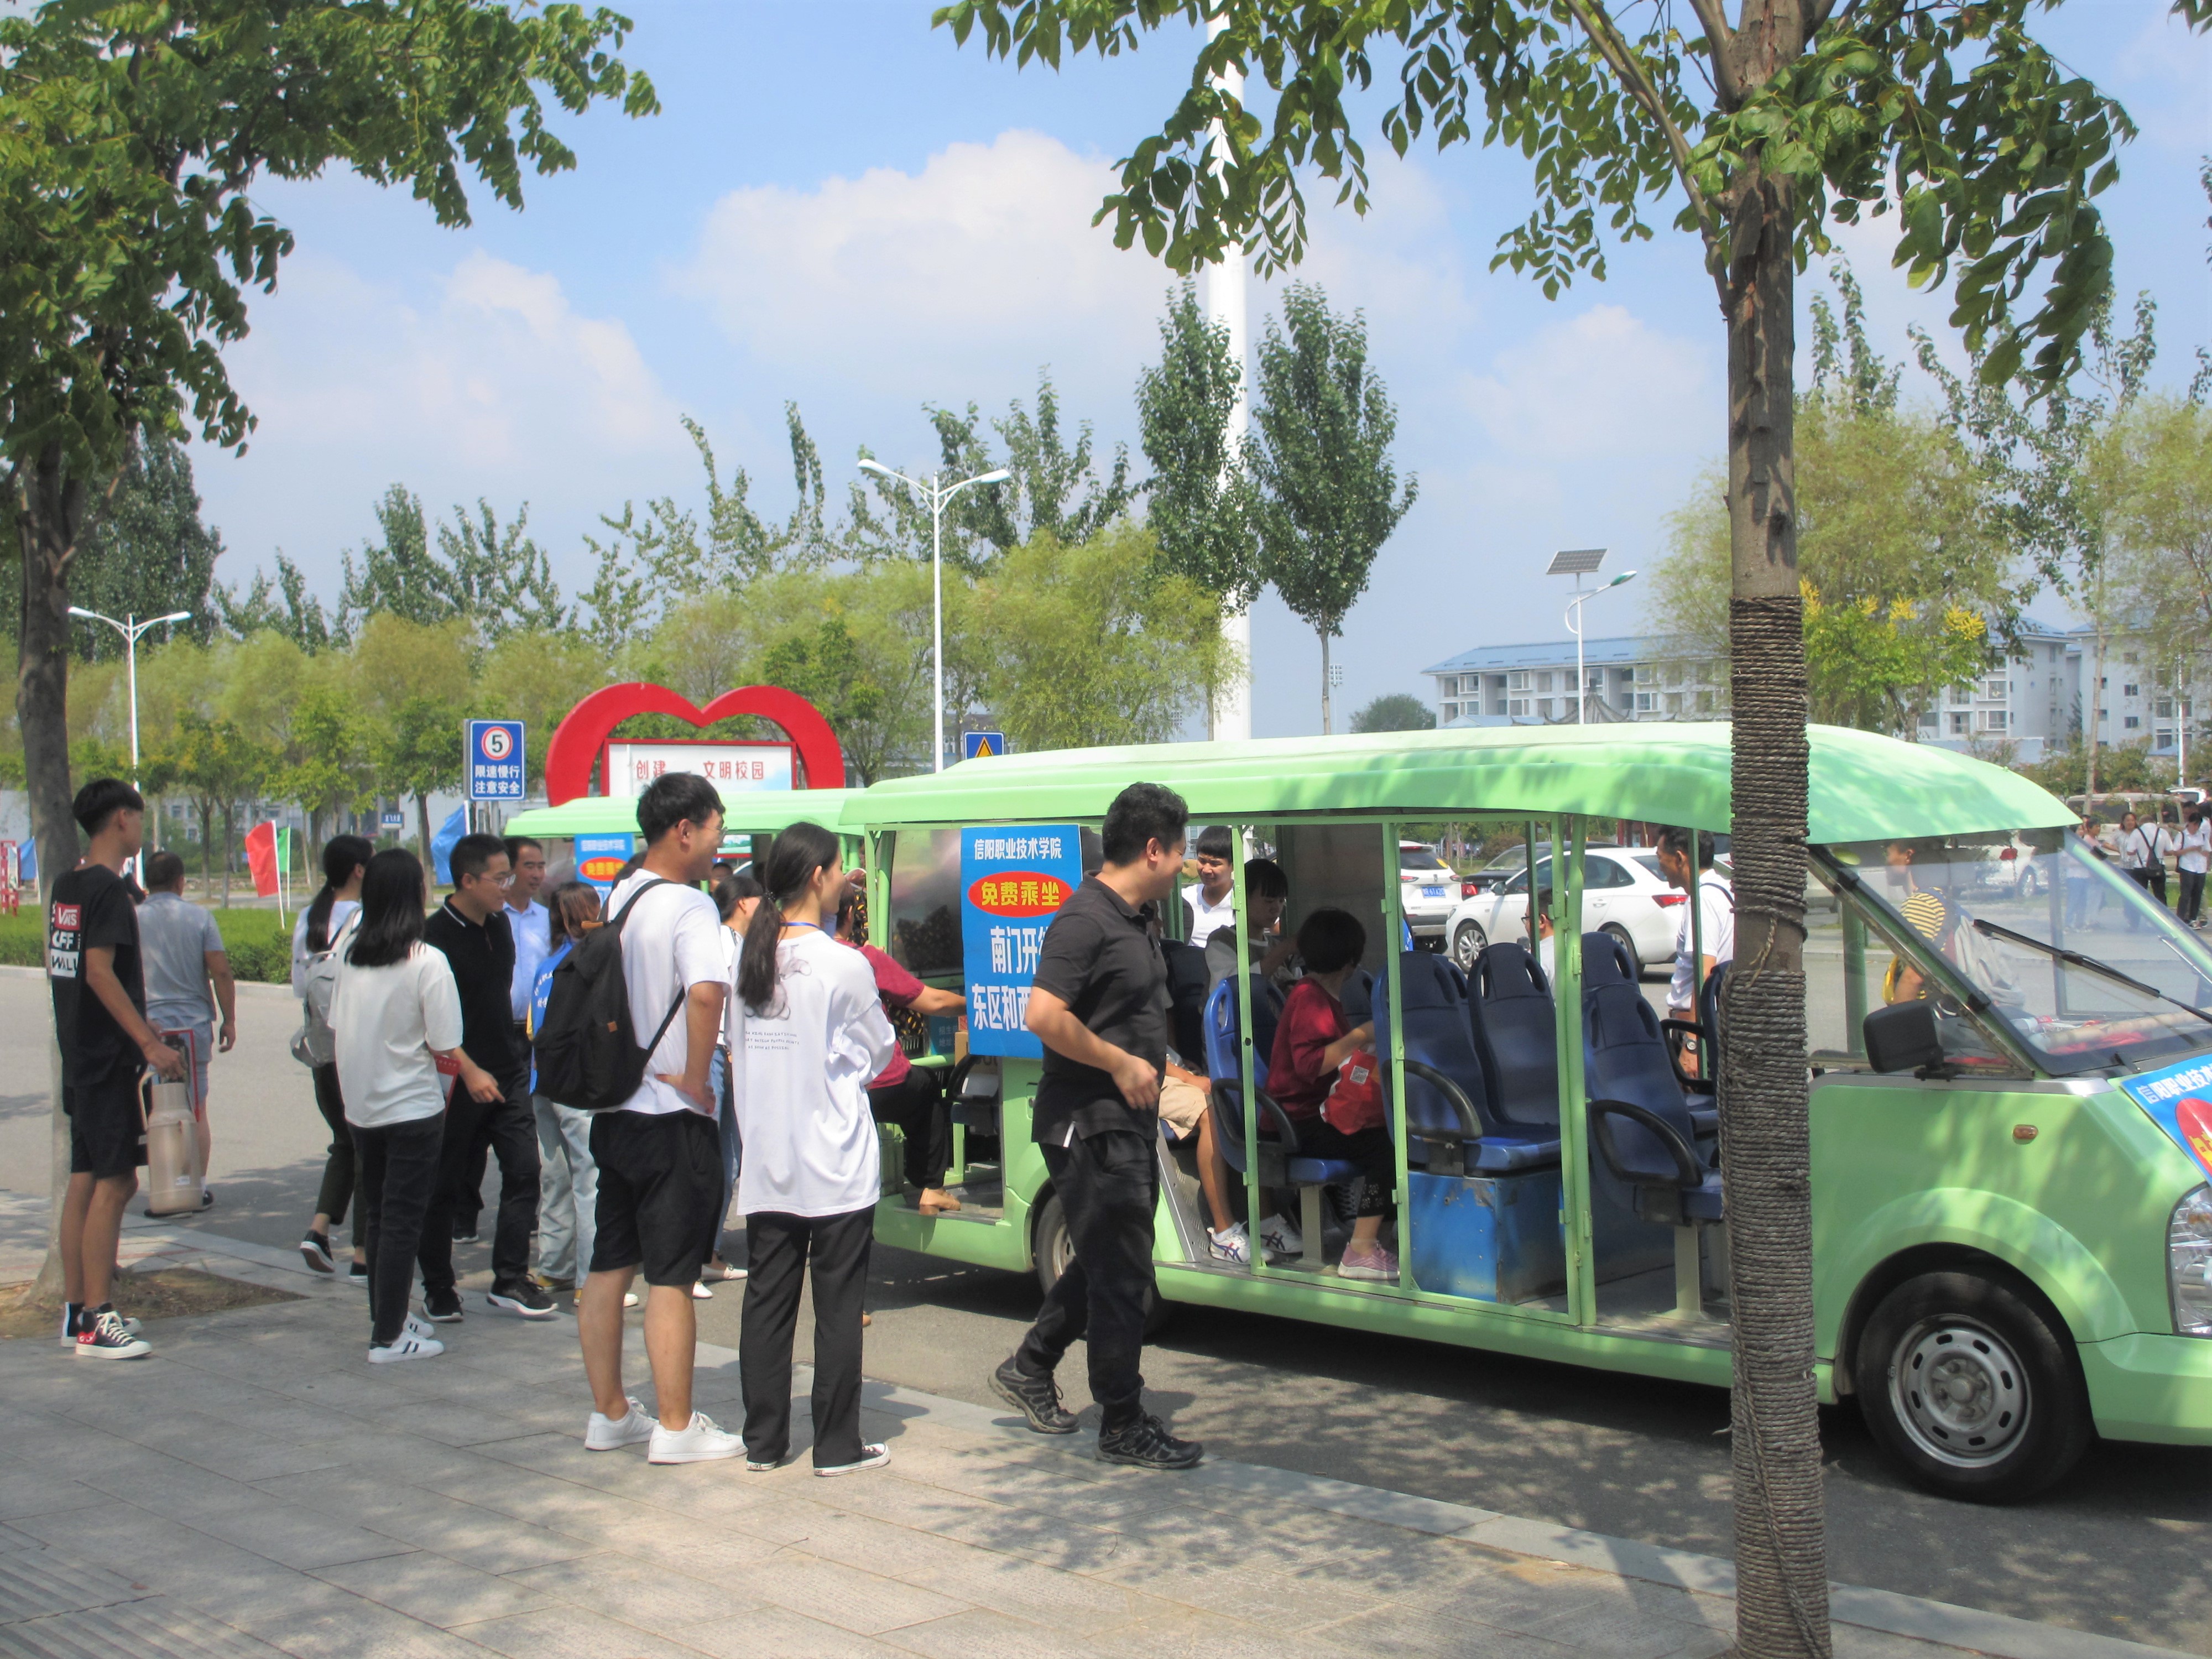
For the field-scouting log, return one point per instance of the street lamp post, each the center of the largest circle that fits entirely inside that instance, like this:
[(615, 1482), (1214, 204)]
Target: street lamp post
[(937, 493), (1574, 626), (130, 629)]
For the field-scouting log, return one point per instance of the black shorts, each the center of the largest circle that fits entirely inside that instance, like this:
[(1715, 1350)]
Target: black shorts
[(660, 1193), (108, 1131)]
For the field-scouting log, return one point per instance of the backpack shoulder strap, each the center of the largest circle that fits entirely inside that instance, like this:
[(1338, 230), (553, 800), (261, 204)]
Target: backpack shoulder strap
[(622, 916)]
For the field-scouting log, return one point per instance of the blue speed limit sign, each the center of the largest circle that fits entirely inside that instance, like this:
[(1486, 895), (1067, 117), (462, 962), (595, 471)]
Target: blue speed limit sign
[(494, 760)]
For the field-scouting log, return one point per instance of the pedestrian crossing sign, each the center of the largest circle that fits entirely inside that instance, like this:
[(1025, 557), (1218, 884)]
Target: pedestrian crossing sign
[(973, 745)]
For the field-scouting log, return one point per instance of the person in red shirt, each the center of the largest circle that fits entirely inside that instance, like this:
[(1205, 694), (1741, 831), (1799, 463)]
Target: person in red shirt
[(914, 1100), (1312, 1040)]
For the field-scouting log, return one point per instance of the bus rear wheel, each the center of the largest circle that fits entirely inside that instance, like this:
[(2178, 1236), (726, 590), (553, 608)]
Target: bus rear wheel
[(1968, 1384), (1054, 1249)]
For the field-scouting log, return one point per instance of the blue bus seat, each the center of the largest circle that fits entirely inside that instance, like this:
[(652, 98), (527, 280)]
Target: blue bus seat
[(1606, 960), (1358, 997), (1186, 965), (1510, 1016), (1450, 1127), (1279, 1164)]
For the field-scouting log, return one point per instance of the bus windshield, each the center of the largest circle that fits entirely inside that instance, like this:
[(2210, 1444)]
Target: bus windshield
[(2076, 958)]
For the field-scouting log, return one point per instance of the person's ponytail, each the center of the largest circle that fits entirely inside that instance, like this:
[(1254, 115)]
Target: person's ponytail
[(797, 853), (342, 856)]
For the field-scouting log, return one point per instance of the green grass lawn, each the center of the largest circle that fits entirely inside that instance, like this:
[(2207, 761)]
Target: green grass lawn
[(260, 946)]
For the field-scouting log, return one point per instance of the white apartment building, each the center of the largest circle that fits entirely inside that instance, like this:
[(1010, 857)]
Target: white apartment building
[(1627, 677)]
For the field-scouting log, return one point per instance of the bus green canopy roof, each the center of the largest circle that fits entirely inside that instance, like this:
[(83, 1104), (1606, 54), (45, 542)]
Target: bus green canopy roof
[(760, 812), (1864, 787)]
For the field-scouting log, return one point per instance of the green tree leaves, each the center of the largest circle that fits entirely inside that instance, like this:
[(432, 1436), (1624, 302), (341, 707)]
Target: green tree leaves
[(1197, 502)]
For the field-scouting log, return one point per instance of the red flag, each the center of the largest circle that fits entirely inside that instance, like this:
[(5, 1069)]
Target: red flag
[(261, 858)]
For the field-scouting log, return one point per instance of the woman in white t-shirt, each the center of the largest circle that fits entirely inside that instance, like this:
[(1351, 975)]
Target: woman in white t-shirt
[(396, 1015), (806, 1033), (345, 858)]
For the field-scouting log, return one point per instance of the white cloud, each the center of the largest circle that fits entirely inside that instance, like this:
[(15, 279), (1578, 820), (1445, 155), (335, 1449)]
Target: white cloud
[(1600, 383)]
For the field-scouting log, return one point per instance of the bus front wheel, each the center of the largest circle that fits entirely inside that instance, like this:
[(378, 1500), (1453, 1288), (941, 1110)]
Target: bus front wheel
[(1969, 1385), (1054, 1249)]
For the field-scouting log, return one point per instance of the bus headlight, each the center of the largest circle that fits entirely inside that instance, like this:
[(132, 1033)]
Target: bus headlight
[(2189, 1263)]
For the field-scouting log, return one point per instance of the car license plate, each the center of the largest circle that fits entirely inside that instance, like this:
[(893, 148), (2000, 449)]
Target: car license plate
[(1432, 892)]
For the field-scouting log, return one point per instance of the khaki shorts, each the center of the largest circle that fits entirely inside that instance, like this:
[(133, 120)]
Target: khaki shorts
[(1181, 1105)]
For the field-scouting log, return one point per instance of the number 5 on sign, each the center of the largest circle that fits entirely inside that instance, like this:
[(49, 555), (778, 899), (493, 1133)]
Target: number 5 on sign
[(494, 754)]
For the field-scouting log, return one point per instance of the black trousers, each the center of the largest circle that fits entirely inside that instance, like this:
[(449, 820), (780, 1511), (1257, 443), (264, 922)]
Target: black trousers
[(1108, 1185), (2192, 895), (509, 1127), (398, 1170), (1372, 1149), (917, 1105), (782, 1252), (468, 1199), (336, 1191)]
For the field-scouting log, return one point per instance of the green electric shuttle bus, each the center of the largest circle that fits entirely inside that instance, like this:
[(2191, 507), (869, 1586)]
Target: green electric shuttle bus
[(2011, 1059)]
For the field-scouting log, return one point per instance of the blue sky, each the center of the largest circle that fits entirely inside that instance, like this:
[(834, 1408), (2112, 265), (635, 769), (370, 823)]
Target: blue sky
[(838, 207)]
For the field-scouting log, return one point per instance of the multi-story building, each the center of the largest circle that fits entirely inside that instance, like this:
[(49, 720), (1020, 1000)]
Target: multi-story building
[(1627, 677)]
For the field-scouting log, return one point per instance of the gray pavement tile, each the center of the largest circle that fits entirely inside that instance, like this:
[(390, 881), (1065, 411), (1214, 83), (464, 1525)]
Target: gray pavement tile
[(856, 1601), (641, 1593), (156, 1629), (345, 1626), (759, 1633), (1072, 1549), (436, 1590), (982, 1633), (573, 1632), (1390, 1631), (1266, 1597), (474, 1422), (39, 1492), (241, 1515), (1187, 1633), (34, 1582), (680, 1543)]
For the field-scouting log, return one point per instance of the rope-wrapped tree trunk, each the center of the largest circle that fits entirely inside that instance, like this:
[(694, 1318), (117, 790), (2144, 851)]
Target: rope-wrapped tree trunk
[(1781, 1552)]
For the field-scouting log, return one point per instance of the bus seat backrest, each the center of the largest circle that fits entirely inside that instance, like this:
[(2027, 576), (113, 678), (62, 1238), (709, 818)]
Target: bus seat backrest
[(1358, 997), (1624, 1058), (1510, 1015), (1605, 961), (1223, 1052), (1187, 998), (1709, 1003), (1434, 1023)]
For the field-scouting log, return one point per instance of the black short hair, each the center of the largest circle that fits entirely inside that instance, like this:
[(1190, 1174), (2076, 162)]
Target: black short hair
[(101, 800), (1543, 901), (1141, 814), (733, 888), (472, 854), (674, 798), (1264, 879), (164, 870), (1677, 841), (514, 844), (1214, 842), (1330, 939)]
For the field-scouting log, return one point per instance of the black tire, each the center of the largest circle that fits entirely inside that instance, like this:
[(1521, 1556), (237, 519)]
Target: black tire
[(1054, 1250), (1628, 943), (1467, 941), (2012, 1415)]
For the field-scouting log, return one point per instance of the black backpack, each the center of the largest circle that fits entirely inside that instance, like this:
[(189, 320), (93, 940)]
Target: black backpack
[(587, 1053)]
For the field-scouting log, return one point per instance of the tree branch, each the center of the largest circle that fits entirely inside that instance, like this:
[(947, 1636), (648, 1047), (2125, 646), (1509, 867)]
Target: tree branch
[(1718, 34), (1639, 86)]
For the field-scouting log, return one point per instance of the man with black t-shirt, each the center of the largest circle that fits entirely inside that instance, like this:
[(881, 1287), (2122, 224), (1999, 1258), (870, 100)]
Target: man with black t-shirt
[(491, 1100), (1099, 1005), (98, 981)]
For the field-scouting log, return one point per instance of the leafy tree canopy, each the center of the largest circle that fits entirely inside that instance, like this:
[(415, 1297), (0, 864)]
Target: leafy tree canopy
[(1396, 711)]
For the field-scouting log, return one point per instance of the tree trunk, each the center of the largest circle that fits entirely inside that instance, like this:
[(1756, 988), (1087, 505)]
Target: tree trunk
[(1781, 1556), (207, 844), (2093, 716), (1325, 727), (229, 810), (422, 819)]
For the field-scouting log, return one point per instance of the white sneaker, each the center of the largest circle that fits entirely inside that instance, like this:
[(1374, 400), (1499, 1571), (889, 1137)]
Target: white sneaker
[(698, 1441), (604, 1433), (700, 1292), (629, 1298), (872, 1457), (415, 1325), (1281, 1236), (1229, 1245), (408, 1346)]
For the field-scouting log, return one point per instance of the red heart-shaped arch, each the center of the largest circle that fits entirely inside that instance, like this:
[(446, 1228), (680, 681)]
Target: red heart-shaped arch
[(577, 742)]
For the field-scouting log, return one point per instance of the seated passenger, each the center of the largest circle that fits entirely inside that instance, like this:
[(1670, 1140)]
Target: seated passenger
[(912, 1099), (1185, 1098), (1544, 948), (1930, 914), (1266, 890), (1311, 1042)]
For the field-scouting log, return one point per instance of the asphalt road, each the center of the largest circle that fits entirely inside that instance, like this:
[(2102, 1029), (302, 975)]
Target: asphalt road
[(2122, 1546)]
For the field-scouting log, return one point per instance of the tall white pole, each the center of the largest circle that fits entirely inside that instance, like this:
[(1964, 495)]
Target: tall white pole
[(1581, 678), (937, 608), (1224, 307), (130, 657)]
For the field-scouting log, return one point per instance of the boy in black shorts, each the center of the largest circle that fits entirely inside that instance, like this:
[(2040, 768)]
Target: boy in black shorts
[(99, 984)]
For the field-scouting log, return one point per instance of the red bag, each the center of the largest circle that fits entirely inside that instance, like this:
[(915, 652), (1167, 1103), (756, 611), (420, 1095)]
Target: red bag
[(1355, 1099)]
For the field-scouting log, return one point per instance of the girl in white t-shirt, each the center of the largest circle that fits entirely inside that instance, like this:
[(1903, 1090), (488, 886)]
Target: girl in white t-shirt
[(345, 858), (806, 1033)]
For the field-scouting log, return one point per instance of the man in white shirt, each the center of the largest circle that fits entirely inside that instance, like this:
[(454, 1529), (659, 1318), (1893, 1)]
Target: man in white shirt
[(660, 1155), (1715, 914), (2195, 852), (1210, 902)]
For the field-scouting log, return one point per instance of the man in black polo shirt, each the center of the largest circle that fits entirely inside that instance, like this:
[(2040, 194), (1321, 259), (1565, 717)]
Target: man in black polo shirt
[(491, 1100), (1099, 1005)]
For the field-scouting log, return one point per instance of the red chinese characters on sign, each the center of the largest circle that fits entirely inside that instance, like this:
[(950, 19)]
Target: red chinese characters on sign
[(1017, 893)]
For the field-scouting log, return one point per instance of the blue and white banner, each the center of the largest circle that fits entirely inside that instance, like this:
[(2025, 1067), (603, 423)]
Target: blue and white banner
[(2178, 1098), (1013, 879)]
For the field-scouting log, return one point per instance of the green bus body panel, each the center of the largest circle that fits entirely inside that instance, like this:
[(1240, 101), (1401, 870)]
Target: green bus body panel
[(2157, 1388), (763, 812), (1863, 786)]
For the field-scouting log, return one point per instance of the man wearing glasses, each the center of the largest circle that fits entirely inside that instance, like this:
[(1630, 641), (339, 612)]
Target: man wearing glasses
[(490, 1100)]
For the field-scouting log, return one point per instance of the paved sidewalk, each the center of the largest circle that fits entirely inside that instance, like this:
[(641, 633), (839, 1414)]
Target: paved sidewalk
[(255, 1487)]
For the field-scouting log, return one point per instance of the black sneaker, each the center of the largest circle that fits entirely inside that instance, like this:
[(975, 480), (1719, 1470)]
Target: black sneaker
[(442, 1307), (101, 1334), (316, 1246), (357, 1274), (521, 1296), (1037, 1398), (1145, 1443), (464, 1232)]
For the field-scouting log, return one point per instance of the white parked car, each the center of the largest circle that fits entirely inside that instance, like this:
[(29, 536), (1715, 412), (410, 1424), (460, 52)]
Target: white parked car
[(1428, 888), (1623, 894)]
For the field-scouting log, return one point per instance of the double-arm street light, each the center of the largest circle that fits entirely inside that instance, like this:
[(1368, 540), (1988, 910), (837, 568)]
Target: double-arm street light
[(131, 627), (937, 493)]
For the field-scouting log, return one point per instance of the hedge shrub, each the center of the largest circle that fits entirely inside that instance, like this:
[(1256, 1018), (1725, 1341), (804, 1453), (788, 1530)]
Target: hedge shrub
[(260, 947)]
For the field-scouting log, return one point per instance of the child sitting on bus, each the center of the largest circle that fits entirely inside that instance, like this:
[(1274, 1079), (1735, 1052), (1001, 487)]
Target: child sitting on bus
[(1312, 1040)]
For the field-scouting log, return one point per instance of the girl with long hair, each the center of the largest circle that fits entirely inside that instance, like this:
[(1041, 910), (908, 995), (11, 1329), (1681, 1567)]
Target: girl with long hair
[(344, 858), (736, 896), (806, 1032), (569, 1177), (397, 1015)]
